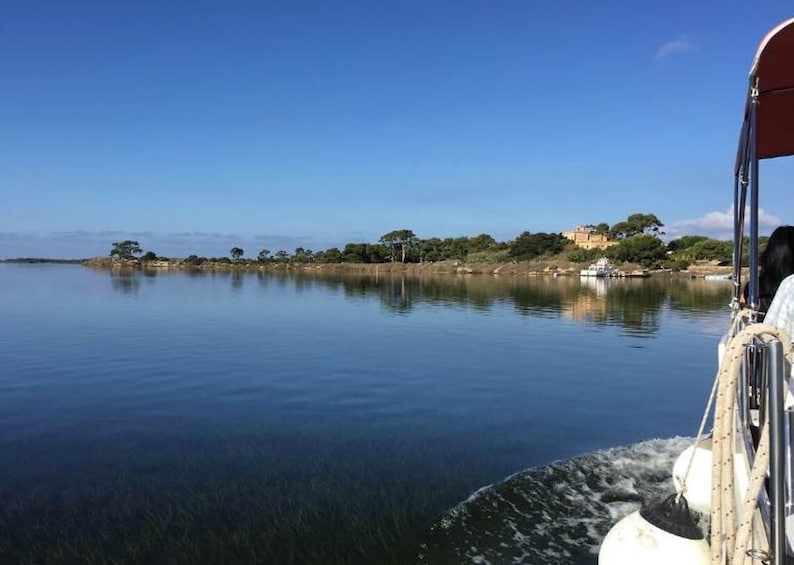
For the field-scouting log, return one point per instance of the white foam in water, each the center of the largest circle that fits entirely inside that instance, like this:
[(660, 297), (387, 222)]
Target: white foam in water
[(554, 514)]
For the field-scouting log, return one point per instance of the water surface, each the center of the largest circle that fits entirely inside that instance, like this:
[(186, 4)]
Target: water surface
[(216, 418)]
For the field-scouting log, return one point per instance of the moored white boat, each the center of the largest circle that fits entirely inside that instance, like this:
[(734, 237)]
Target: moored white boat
[(601, 268), (742, 476)]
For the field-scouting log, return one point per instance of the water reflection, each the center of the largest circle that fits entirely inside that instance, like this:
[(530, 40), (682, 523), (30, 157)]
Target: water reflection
[(125, 281), (305, 439), (397, 293), (633, 304), (237, 280), (699, 296), (589, 305)]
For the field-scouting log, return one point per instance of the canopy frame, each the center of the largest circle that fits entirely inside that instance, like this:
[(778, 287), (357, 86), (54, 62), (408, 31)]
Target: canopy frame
[(767, 132)]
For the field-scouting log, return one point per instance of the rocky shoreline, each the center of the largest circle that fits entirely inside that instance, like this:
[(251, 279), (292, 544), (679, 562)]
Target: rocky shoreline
[(546, 267)]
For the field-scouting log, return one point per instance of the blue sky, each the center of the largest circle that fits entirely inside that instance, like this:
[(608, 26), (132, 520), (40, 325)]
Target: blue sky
[(195, 126)]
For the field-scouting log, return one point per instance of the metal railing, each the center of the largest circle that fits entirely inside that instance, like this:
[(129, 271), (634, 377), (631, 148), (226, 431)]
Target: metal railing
[(761, 389)]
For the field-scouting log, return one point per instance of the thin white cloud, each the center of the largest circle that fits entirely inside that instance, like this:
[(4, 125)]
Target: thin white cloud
[(719, 225), (678, 46)]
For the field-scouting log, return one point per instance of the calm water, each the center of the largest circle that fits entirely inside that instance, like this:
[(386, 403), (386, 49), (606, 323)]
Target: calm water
[(237, 418)]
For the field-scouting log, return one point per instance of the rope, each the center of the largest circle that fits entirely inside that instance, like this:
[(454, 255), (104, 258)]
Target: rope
[(757, 477), (740, 318), (729, 543), (698, 439)]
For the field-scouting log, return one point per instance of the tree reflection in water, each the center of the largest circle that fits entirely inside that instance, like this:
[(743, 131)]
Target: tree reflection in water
[(125, 281), (633, 304)]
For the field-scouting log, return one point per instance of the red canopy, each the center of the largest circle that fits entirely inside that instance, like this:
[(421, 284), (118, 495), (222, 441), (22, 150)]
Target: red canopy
[(773, 67)]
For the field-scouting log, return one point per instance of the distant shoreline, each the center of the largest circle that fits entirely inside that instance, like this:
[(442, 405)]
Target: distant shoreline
[(535, 267), (34, 260)]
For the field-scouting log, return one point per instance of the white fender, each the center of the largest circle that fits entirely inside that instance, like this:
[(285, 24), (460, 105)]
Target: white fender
[(698, 484), (635, 541)]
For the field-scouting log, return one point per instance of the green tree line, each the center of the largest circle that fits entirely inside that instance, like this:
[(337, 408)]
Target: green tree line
[(637, 240)]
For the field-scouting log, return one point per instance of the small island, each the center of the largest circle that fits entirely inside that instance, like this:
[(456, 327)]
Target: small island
[(634, 247)]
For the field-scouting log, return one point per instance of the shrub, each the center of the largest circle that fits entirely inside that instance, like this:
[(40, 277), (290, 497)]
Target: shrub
[(584, 255)]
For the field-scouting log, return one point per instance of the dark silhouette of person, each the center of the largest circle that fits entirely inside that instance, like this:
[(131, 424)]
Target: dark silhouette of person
[(776, 263)]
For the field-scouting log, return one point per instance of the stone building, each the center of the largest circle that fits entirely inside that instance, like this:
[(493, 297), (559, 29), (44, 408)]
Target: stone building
[(586, 239)]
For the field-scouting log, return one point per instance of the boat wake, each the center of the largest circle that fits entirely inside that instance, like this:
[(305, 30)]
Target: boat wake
[(554, 514)]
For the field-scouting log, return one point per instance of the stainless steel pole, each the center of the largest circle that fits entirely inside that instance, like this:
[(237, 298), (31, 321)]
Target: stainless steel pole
[(753, 277), (777, 453)]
